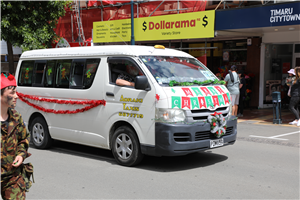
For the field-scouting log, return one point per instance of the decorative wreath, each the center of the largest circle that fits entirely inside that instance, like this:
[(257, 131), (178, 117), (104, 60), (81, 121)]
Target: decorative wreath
[(217, 124), (89, 104)]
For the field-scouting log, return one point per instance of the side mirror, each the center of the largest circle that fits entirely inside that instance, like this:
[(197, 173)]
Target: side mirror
[(141, 83)]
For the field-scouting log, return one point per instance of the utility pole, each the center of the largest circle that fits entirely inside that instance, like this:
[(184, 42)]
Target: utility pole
[(132, 24)]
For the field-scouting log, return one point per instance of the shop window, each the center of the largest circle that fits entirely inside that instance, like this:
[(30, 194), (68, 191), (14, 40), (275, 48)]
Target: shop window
[(25, 75), (278, 60), (63, 73), (90, 72), (297, 48)]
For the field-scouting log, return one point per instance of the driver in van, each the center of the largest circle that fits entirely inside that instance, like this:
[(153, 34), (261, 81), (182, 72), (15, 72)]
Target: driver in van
[(127, 79)]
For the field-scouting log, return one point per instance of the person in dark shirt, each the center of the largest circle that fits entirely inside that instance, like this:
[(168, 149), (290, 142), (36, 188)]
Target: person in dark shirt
[(295, 97), (242, 93), (127, 79)]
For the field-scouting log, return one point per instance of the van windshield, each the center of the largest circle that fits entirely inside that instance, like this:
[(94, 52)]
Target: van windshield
[(181, 69)]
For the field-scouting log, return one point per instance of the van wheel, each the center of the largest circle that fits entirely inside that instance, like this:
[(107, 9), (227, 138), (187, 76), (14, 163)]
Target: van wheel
[(40, 136), (126, 147)]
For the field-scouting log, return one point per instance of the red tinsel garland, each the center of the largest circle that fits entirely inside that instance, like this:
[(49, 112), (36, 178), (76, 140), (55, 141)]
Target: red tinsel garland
[(92, 103)]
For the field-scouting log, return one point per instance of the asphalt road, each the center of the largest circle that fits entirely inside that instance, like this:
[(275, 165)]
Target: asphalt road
[(262, 164)]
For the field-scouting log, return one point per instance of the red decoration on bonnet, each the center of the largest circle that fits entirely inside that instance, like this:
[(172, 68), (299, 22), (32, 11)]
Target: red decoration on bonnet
[(8, 81), (216, 113)]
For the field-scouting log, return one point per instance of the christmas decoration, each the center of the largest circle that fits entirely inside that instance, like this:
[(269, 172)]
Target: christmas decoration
[(27, 73), (90, 104), (175, 83), (217, 124), (157, 97), (63, 73)]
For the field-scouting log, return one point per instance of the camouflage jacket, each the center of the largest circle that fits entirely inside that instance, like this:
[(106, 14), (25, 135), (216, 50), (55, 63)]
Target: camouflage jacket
[(14, 141)]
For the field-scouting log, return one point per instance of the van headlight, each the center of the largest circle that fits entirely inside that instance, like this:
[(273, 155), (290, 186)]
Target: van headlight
[(169, 115)]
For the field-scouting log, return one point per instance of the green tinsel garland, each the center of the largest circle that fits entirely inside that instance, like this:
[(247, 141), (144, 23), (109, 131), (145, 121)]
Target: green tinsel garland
[(216, 81)]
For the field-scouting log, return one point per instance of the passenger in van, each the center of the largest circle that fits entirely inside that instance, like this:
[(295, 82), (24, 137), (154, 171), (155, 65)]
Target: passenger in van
[(127, 79)]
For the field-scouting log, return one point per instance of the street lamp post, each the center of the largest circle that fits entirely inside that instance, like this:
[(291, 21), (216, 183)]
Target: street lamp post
[(132, 24)]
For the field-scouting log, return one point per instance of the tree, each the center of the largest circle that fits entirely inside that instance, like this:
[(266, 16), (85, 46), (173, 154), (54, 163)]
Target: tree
[(29, 24)]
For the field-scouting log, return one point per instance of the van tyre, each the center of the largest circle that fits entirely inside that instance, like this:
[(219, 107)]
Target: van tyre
[(126, 147), (40, 136)]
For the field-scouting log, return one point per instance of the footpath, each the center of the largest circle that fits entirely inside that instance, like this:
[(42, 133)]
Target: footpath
[(265, 116)]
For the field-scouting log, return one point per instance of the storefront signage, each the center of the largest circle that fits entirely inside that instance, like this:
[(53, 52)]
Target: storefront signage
[(225, 56), (237, 63), (166, 27), (177, 26), (112, 31), (265, 16), (198, 49), (284, 14)]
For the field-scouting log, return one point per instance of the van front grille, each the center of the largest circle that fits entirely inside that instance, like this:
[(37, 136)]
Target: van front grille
[(206, 135), (182, 137), (202, 114)]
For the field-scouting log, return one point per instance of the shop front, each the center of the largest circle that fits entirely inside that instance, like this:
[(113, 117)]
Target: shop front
[(272, 45)]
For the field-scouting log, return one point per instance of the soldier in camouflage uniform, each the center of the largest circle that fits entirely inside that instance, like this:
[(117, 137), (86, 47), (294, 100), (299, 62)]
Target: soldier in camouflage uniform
[(14, 142)]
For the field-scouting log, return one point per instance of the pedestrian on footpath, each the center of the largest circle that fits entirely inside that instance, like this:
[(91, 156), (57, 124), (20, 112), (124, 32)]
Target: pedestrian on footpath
[(242, 93), (295, 97), (233, 83), (14, 142), (289, 80)]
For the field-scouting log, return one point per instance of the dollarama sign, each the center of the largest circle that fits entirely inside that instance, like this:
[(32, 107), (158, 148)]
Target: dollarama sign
[(166, 27)]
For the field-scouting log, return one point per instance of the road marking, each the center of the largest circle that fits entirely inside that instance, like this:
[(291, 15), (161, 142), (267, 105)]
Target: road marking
[(266, 137), (276, 136), (285, 134)]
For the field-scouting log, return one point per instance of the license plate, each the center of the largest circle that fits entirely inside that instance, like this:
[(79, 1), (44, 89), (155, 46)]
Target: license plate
[(216, 143)]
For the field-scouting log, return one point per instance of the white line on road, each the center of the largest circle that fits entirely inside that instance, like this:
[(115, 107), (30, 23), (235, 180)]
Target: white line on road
[(266, 137), (276, 136), (285, 134)]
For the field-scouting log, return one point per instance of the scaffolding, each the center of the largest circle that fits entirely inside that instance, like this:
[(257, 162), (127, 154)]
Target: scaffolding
[(78, 23)]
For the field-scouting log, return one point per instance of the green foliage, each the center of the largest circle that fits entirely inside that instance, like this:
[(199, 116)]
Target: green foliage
[(30, 24), (175, 83)]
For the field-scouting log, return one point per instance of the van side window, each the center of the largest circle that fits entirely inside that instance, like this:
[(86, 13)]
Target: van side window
[(38, 73), (25, 75), (77, 73), (63, 73), (49, 73), (123, 69), (90, 72)]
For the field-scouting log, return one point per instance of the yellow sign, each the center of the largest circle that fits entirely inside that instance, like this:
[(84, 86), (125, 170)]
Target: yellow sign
[(177, 26), (166, 27), (112, 31), (217, 52), (199, 52)]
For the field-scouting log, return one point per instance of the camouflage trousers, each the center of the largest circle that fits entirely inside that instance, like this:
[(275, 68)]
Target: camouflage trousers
[(13, 188)]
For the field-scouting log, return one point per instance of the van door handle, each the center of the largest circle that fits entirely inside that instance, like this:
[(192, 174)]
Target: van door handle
[(109, 94)]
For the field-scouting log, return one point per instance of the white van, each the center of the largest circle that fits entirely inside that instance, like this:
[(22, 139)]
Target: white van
[(176, 107)]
